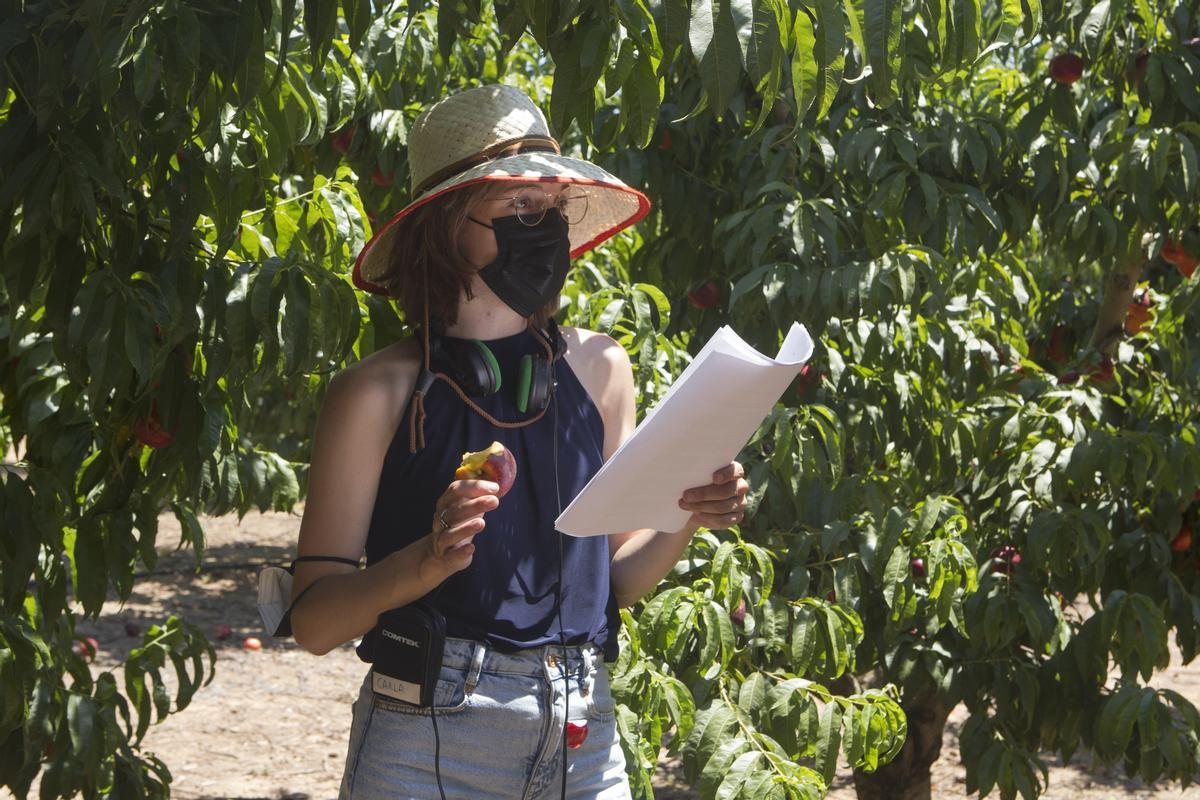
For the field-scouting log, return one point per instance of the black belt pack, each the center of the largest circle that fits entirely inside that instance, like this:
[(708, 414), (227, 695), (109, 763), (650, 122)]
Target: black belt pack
[(409, 644)]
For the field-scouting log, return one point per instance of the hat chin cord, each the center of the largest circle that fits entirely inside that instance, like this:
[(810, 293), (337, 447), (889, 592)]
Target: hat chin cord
[(416, 419)]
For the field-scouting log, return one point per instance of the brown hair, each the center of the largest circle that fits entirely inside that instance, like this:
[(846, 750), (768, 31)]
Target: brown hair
[(425, 248)]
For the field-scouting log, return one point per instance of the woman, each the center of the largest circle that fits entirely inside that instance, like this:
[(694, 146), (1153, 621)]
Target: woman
[(479, 258)]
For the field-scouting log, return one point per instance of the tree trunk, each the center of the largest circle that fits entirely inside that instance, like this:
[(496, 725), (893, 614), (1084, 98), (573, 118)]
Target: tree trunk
[(1118, 294), (907, 776)]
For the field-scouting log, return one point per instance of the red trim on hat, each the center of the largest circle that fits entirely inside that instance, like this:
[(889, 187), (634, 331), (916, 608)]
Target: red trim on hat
[(642, 210)]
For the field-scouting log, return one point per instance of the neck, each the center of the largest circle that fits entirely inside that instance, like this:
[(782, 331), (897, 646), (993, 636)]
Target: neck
[(484, 315)]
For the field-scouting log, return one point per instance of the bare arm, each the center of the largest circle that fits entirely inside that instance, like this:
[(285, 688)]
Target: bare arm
[(361, 408)]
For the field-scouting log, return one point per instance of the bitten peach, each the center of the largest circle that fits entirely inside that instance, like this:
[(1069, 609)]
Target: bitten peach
[(495, 463)]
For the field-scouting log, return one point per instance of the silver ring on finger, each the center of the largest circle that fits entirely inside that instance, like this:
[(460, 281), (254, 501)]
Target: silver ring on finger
[(442, 519)]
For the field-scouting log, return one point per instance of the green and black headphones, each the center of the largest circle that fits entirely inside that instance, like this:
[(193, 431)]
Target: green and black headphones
[(471, 364)]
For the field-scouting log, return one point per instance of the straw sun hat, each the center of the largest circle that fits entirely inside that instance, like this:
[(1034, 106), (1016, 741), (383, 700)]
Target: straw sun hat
[(456, 143)]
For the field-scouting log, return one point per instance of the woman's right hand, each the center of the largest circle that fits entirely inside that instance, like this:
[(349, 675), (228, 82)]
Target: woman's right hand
[(457, 519)]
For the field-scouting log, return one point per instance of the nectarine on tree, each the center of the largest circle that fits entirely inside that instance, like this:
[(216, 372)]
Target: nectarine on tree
[(1066, 68), (381, 178), (1183, 540), (343, 138), (705, 296)]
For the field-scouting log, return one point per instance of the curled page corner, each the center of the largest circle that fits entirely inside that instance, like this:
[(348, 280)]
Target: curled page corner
[(699, 426)]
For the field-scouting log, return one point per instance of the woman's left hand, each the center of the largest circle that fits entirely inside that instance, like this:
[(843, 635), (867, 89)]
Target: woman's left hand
[(721, 503)]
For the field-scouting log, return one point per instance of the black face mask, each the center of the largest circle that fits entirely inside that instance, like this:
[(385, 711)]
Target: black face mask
[(532, 263)]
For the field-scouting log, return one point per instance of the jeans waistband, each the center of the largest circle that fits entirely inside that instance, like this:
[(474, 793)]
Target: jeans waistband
[(468, 654)]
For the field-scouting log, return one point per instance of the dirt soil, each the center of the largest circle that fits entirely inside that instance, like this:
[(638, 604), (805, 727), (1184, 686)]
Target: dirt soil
[(274, 723)]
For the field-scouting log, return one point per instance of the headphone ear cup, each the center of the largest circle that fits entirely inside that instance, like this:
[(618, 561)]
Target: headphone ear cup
[(473, 366), (541, 386), (524, 383), (490, 368)]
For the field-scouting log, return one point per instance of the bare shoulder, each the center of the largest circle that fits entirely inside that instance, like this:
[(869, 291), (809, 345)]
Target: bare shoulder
[(595, 350), (603, 368), (376, 388)]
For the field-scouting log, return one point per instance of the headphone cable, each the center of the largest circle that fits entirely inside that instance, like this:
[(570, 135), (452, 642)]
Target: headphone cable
[(562, 636)]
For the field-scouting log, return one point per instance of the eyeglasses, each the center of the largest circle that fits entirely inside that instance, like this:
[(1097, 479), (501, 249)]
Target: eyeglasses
[(531, 205)]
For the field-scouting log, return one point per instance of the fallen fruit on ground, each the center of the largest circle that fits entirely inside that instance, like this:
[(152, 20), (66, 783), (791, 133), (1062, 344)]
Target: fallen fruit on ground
[(224, 632), (495, 463), (87, 647), (251, 643)]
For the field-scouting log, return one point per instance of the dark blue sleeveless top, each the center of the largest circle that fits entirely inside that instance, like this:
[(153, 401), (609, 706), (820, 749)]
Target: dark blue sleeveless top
[(506, 596)]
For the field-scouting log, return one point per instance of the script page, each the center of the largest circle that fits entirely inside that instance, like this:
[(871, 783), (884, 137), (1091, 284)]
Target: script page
[(699, 426)]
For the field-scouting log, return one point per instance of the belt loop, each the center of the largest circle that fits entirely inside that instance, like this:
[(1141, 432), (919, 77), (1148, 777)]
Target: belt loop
[(589, 664), (476, 667)]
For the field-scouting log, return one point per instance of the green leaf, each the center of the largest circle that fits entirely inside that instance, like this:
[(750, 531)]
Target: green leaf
[(882, 26), (714, 40), (829, 741), (804, 65), (829, 53), (641, 95)]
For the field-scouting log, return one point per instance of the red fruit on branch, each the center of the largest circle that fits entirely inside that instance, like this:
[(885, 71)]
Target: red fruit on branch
[(150, 431), (1172, 252), (380, 179), (705, 296), (1056, 352), (1139, 313), (1183, 540), (808, 380), (739, 614), (918, 567), (1070, 376), (1186, 265), (1007, 558), (664, 143), (1066, 68), (1102, 372), (342, 139), (1139, 68)]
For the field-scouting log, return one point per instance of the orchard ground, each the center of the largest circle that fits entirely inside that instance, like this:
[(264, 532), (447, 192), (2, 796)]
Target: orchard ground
[(274, 723)]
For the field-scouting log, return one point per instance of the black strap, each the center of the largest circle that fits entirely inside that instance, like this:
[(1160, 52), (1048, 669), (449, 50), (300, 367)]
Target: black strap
[(285, 624), (351, 561)]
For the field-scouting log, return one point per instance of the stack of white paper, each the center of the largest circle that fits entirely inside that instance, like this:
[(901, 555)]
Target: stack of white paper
[(698, 427)]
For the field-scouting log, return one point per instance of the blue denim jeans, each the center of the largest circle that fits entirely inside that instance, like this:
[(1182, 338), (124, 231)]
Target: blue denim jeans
[(500, 724)]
